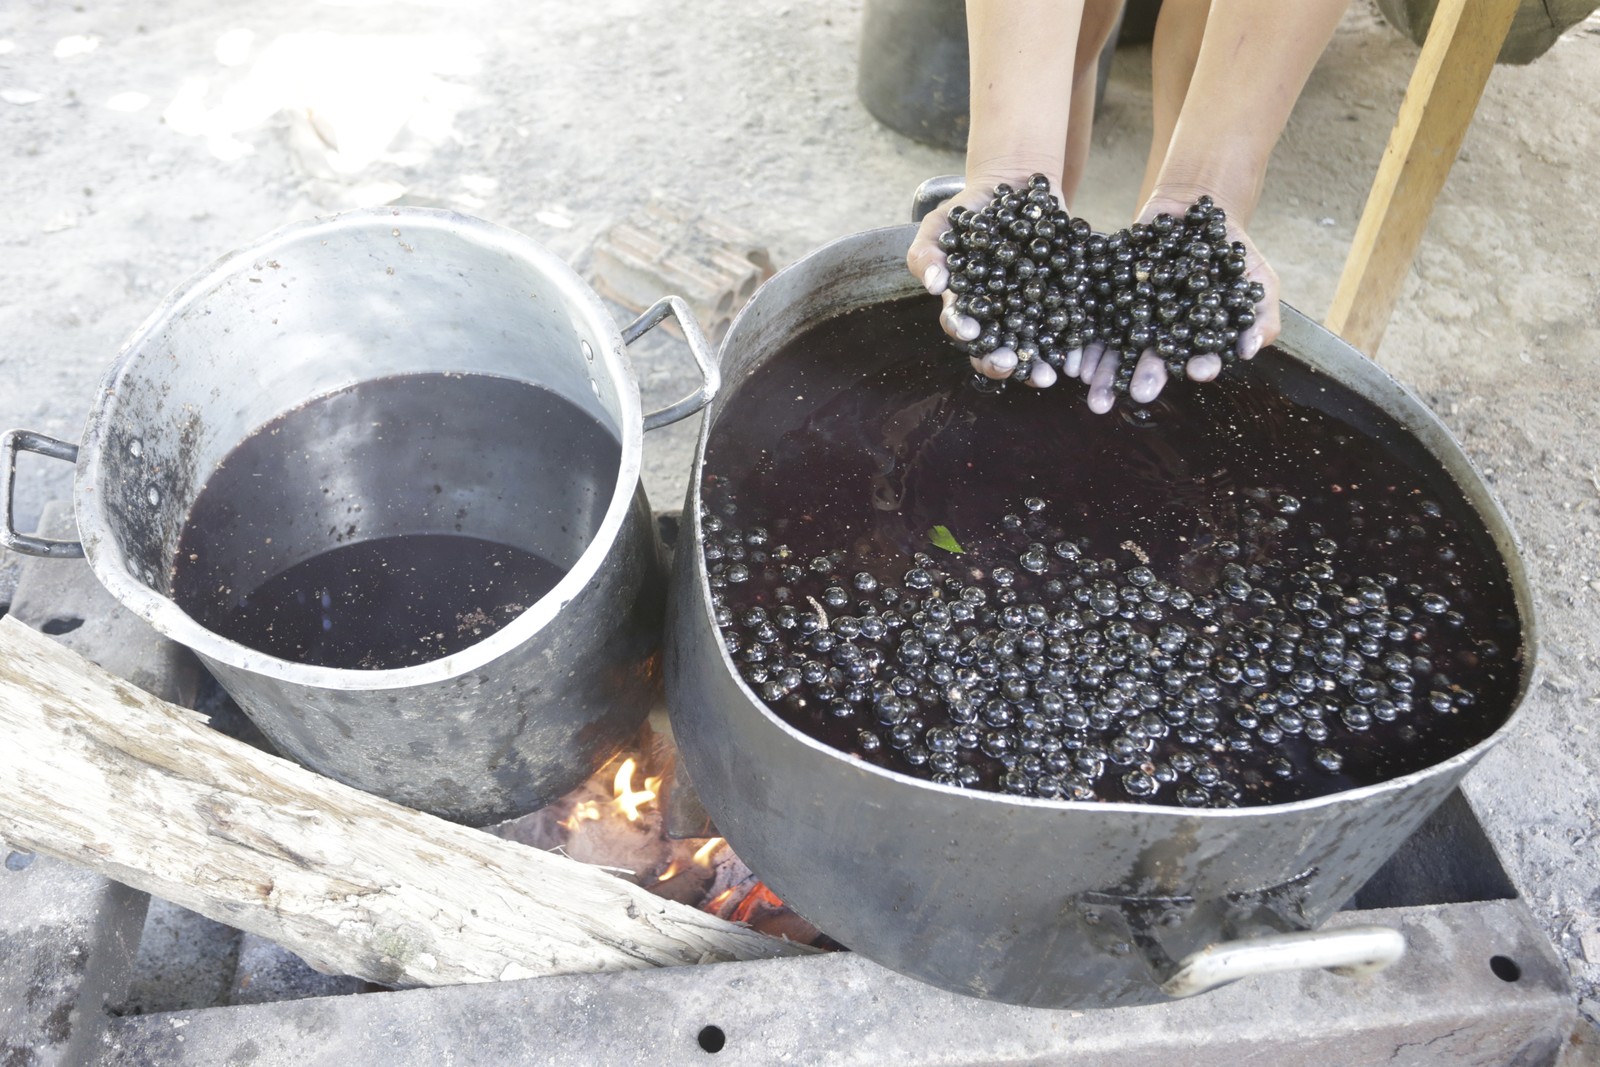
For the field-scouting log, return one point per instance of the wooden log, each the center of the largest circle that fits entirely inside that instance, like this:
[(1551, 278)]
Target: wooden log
[(1445, 87), (100, 773)]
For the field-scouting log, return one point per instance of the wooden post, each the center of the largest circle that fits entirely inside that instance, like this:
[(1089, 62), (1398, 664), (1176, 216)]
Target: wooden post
[(1446, 84), (97, 772)]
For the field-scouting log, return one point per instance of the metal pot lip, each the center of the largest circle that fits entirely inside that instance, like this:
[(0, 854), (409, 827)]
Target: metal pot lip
[(754, 307), (164, 614), (1294, 320)]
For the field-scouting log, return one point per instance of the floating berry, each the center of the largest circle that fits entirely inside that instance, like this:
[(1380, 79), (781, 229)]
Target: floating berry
[(1037, 665)]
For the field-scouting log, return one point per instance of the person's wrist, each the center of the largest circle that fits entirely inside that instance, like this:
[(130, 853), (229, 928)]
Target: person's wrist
[(1013, 169), (1234, 185)]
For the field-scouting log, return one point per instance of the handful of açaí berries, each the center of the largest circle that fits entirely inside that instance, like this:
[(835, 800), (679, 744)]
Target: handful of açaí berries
[(1042, 283)]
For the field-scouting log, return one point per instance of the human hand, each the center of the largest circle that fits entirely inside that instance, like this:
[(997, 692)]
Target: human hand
[(1098, 365), (927, 262)]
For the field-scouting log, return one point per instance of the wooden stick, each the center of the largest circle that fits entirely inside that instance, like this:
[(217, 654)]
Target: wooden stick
[(1446, 84), (100, 773)]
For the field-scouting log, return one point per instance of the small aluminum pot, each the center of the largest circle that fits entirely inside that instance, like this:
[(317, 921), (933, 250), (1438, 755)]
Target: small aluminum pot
[(499, 728), (1034, 902)]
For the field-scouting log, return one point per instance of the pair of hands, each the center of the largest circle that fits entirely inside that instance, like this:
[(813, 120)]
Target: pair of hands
[(1093, 364)]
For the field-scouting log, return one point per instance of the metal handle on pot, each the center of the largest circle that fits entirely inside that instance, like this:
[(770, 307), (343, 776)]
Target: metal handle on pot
[(12, 442), (933, 192), (699, 348), (1352, 951)]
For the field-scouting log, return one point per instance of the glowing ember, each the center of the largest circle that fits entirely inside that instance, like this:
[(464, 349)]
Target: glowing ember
[(758, 897)]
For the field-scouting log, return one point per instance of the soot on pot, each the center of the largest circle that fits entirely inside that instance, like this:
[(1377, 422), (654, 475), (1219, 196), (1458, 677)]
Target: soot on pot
[(1259, 590)]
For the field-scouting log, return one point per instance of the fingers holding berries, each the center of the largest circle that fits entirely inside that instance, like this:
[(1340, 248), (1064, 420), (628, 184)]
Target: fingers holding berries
[(1033, 294), (1102, 392), (1149, 377), (1268, 320), (926, 258), (1257, 320)]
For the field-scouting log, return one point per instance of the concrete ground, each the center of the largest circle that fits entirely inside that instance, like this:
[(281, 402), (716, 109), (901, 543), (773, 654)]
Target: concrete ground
[(141, 141)]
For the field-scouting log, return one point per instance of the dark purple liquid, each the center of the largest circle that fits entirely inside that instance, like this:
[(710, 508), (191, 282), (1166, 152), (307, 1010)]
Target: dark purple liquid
[(864, 435), (366, 529), (387, 603)]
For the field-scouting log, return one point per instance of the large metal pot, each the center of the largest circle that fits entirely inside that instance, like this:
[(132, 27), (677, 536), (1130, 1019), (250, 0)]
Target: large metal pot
[(1034, 902), (507, 724)]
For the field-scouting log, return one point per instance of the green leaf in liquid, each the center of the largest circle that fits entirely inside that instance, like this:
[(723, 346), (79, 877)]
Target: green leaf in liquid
[(943, 538)]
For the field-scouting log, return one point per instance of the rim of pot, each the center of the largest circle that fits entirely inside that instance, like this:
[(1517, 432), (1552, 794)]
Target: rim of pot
[(587, 310)]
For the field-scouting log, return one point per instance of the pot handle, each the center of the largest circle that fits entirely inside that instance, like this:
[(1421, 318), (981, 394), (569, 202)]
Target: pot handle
[(933, 192), (12, 442), (699, 348), (1352, 951)]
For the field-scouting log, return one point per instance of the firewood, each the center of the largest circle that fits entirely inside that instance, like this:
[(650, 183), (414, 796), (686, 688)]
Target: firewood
[(1463, 40), (97, 772)]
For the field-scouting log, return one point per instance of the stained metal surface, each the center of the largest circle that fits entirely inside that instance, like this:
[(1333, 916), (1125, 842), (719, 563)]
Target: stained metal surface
[(505, 725), (1032, 902), (1444, 1005)]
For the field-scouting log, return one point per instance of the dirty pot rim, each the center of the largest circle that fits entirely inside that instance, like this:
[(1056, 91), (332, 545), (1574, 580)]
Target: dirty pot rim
[(112, 568)]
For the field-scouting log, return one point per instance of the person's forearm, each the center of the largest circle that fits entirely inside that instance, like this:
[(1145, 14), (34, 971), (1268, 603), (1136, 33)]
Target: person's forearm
[(1254, 61), (1021, 60)]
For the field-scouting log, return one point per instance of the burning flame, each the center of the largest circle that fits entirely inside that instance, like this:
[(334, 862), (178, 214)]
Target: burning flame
[(703, 856), (585, 811), (629, 800), (626, 801), (629, 838)]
